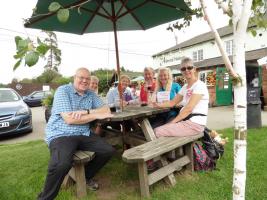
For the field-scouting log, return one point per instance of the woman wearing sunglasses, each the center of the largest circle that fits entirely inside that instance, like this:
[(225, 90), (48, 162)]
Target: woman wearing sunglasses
[(194, 97)]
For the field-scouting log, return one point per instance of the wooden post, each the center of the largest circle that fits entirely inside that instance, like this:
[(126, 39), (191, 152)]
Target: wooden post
[(143, 179), (189, 153), (80, 180)]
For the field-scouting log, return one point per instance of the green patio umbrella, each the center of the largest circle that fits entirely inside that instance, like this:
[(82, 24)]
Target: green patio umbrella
[(91, 16)]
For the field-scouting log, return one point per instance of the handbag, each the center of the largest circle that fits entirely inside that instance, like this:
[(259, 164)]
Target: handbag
[(214, 149)]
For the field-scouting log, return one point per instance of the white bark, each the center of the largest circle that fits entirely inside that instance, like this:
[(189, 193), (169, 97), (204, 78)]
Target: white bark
[(218, 40), (241, 10), (241, 14), (239, 185)]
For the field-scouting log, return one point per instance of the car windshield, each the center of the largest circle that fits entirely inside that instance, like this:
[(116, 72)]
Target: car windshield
[(8, 96)]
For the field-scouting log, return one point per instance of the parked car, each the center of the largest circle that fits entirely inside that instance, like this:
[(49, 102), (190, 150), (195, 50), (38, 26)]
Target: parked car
[(15, 115), (35, 98)]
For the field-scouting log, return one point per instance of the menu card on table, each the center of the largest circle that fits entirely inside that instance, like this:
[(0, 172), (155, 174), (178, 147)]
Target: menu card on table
[(163, 96)]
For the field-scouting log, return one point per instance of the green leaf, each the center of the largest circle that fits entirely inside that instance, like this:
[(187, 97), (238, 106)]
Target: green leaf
[(31, 58), (63, 15), (17, 39), (42, 49), (17, 65), (253, 32), (20, 54), (22, 44), (54, 6)]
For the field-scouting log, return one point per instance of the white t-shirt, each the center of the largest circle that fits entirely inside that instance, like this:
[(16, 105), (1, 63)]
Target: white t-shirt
[(202, 107)]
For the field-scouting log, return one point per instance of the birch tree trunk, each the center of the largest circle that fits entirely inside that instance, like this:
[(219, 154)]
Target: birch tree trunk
[(241, 10), (241, 15)]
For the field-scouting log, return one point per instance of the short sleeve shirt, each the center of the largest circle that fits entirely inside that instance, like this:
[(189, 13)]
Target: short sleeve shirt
[(202, 106), (67, 99)]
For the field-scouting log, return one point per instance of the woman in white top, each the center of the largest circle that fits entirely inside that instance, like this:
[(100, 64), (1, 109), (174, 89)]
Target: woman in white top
[(194, 97)]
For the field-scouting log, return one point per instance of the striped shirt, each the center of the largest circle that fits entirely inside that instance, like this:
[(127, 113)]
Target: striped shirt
[(67, 99)]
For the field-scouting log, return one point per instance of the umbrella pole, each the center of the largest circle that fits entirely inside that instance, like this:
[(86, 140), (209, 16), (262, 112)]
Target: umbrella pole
[(118, 65), (117, 54)]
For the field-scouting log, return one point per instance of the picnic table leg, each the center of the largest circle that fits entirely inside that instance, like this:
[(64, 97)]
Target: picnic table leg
[(189, 153), (150, 135), (170, 179), (143, 179), (80, 180), (67, 182)]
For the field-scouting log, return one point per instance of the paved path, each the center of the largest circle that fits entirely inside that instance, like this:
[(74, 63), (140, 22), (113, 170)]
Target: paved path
[(223, 117), (218, 118)]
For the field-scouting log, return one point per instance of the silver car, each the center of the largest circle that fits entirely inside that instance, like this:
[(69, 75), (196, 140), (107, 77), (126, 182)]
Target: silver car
[(15, 115)]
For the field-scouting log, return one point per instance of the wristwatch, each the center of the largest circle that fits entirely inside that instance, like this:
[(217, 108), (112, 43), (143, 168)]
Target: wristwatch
[(88, 111)]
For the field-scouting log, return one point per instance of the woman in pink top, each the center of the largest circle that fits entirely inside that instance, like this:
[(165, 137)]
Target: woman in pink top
[(148, 86)]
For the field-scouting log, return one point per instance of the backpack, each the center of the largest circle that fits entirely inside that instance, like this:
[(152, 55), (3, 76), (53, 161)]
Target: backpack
[(202, 162), (214, 149)]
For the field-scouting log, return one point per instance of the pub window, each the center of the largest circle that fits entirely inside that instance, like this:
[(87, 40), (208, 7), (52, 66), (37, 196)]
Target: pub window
[(200, 54), (229, 47), (194, 55)]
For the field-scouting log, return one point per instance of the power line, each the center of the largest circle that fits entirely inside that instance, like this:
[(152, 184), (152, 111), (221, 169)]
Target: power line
[(79, 44)]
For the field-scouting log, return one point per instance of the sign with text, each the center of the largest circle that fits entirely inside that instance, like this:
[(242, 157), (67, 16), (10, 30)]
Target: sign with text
[(163, 96)]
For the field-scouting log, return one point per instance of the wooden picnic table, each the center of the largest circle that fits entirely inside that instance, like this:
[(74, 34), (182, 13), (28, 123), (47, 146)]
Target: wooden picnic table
[(140, 114)]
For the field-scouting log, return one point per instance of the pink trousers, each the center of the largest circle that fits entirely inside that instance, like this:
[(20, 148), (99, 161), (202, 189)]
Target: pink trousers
[(180, 129)]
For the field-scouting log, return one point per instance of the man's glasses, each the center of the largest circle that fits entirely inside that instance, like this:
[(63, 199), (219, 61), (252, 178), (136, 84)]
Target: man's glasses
[(81, 78), (187, 68)]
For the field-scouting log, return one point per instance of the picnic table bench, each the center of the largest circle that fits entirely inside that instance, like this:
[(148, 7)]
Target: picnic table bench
[(77, 174), (155, 150)]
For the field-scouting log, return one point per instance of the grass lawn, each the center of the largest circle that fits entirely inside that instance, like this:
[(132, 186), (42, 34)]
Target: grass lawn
[(23, 169)]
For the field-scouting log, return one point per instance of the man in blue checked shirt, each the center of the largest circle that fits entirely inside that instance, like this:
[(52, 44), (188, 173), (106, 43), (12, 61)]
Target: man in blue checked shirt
[(68, 130)]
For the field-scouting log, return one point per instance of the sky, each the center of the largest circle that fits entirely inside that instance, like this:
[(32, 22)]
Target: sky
[(93, 50)]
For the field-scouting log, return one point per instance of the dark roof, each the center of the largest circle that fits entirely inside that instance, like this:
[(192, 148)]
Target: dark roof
[(250, 55), (226, 30)]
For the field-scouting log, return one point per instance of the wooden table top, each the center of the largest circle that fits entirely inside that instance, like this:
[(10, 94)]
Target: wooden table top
[(133, 112)]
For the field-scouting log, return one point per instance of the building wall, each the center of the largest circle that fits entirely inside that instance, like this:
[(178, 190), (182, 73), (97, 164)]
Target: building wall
[(210, 49)]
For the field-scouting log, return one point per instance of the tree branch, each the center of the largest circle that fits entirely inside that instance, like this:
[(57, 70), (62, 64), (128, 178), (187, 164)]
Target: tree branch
[(224, 6), (218, 41)]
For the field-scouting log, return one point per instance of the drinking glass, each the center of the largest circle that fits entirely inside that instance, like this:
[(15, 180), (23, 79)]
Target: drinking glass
[(118, 105)]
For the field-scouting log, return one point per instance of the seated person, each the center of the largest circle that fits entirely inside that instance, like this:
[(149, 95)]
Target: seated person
[(195, 97), (68, 130), (148, 86), (93, 86), (127, 99), (165, 90), (127, 96)]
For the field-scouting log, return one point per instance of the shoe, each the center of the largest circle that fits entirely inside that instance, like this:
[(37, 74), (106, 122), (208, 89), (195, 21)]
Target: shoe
[(92, 184)]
